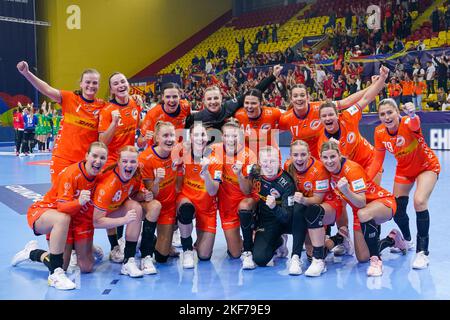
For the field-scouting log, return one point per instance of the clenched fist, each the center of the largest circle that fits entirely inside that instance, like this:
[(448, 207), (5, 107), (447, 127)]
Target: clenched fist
[(85, 197)]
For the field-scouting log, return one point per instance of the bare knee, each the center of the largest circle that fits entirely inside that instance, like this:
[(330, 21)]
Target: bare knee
[(153, 210), (246, 204), (62, 219), (420, 203), (364, 215)]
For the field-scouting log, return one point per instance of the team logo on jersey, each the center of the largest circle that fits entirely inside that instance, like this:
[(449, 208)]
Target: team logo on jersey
[(266, 126), (351, 137), (134, 114), (400, 141), (359, 184), (307, 185), (372, 189), (274, 192), (315, 124)]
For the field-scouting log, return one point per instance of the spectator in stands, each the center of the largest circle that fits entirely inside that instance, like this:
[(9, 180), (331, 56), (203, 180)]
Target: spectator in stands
[(320, 76), (331, 22), (399, 69), (398, 45), (441, 102), (435, 19), (289, 54), (388, 19), (418, 71), (447, 17), (348, 18), (407, 89), (241, 46), (208, 67), (210, 54), (414, 5), (442, 71), (394, 90), (430, 76), (421, 46), (379, 48), (254, 46), (275, 33), (418, 89)]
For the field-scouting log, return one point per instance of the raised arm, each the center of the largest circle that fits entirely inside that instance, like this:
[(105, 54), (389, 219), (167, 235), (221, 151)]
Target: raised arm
[(40, 85)]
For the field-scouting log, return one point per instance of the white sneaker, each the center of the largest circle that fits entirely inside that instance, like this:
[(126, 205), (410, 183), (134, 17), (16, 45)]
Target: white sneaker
[(409, 247), (24, 254), (376, 267), (316, 268), (421, 261), (147, 265), (73, 259), (338, 250), (98, 252), (295, 266), (348, 244), (116, 255), (131, 269), (60, 281), (188, 259), (282, 251), (176, 239), (247, 260)]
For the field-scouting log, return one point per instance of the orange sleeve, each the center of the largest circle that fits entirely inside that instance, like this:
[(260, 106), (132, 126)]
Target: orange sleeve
[(413, 123), (71, 207), (65, 98), (376, 164), (105, 119), (65, 187), (102, 197), (356, 179)]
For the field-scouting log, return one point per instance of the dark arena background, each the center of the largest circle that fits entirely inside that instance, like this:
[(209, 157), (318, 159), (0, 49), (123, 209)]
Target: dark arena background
[(333, 47)]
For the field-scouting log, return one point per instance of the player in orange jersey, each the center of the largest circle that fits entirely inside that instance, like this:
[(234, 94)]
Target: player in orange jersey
[(372, 205), (66, 213), (172, 110), (201, 178), (345, 127), (81, 115), (319, 207), (235, 191), (116, 201), (258, 121), (119, 121), (159, 174), (302, 116), (416, 162)]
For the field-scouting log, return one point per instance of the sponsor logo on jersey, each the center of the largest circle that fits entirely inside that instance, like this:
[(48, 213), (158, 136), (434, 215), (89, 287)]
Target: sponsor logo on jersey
[(353, 110), (217, 175), (359, 184), (322, 185), (290, 201)]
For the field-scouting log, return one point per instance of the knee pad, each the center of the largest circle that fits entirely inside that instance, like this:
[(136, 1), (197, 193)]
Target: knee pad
[(314, 216), (231, 256), (246, 219), (204, 259), (186, 213), (160, 258)]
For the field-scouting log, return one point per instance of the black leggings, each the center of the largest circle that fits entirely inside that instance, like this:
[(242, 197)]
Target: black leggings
[(28, 141), (18, 137), (268, 235)]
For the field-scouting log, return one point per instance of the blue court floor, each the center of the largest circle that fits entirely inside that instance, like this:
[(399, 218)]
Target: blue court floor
[(221, 278)]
